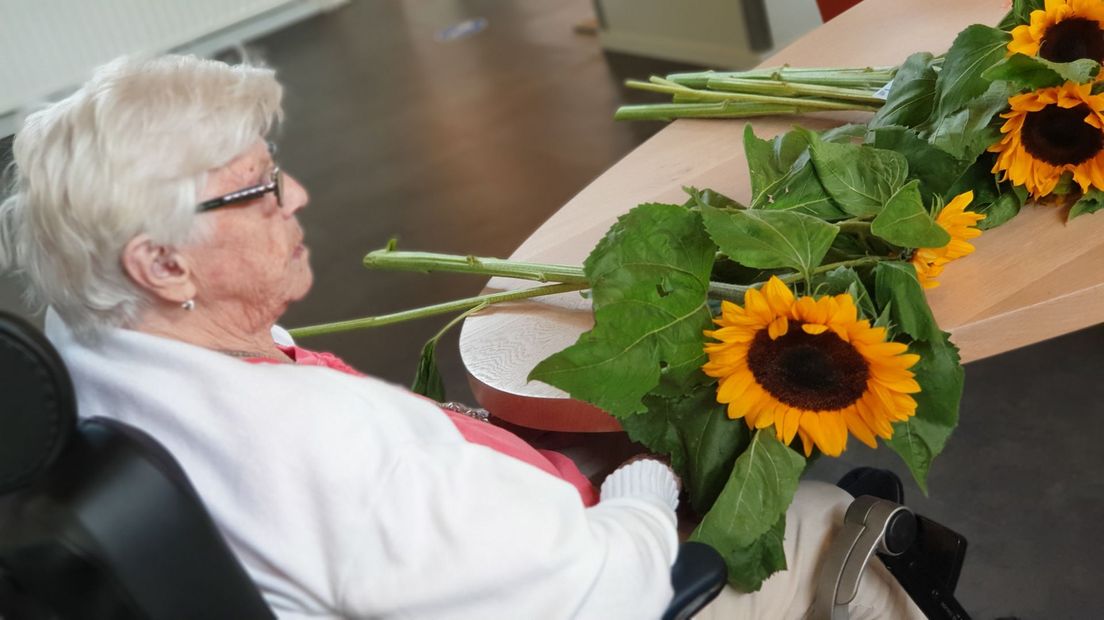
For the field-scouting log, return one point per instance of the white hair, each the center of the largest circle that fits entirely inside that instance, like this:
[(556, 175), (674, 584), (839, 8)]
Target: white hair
[(126, 154)]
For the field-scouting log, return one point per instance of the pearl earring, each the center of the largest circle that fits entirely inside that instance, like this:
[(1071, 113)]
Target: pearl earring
[(188, 305)]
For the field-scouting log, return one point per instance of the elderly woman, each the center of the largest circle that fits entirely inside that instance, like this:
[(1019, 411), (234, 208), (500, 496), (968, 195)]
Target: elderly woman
[(149, 215)]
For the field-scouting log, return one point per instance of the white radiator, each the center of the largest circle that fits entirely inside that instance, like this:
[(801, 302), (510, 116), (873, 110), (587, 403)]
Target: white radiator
[(50, 46)]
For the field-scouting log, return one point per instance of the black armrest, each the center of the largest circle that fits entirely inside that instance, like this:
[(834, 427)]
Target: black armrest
[(928, 571), (698, 576), (97, 520)]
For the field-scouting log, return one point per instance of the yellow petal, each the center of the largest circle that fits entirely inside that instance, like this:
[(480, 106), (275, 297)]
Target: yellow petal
[(789, 424), (735, 411), (756, 305), (778, 327), (766, 418), (839, 427), (869, 409), (858, 428), (906, 386), (734, 386), (806, 442), (778, 295), (810, 424)]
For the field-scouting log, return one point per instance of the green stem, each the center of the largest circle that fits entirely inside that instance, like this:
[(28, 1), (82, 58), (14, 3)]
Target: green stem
[(426, 262), (744, 92), (731, 292), (854, 262), (875, 77), (816, 104), (854, 227), (689, 95), (573, 280), (794, 89), (456, 320), (735, 292), (444, 308), (726, 109), (671, 111)]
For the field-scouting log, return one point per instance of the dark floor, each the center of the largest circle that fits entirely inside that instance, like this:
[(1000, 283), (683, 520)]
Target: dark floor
[(464, 146), (469, 145)]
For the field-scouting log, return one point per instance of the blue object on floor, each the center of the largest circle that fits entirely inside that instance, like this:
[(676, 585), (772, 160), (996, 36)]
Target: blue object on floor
[(462, 30)]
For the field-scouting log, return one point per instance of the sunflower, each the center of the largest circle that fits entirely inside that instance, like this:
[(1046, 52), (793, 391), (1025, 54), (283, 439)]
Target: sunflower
[(1051, 131), (1066, 30), (961, 225), (809, 367)]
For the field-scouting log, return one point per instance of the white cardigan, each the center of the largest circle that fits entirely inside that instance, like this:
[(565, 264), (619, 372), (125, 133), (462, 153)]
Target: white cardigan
[(350, 497)]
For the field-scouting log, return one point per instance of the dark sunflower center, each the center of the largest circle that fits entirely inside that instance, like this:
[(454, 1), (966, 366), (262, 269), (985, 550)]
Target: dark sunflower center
[(1073, 39), (819, 372), (1061, 136)]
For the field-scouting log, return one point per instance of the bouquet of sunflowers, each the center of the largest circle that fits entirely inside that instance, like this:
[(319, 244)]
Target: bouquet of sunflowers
[(743, 340)]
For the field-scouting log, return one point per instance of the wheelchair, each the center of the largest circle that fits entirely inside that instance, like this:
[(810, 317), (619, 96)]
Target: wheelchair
[(97, 520)]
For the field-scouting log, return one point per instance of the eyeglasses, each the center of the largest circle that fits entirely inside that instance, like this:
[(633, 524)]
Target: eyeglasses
[(275, 184)]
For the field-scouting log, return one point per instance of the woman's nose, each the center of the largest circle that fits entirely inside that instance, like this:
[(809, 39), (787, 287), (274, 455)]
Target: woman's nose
[(295, 195)]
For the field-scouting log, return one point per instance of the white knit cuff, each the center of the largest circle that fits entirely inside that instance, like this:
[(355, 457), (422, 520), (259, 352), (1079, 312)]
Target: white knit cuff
[(643, 478)]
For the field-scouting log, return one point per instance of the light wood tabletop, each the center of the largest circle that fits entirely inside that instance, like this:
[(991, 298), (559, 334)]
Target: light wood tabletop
[(1034, 278)]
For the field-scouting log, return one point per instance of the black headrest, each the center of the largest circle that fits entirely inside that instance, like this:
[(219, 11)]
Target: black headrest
[(38, 411)]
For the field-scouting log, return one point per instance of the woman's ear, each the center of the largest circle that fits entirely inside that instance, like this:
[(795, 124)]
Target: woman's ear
[(159, 269)]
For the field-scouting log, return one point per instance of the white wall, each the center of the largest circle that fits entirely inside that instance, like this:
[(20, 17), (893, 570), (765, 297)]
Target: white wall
[(704, 32), (50, 46), (790, 19)]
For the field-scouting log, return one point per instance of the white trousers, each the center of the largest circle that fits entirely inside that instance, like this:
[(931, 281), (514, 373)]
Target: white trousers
[(814, 518)]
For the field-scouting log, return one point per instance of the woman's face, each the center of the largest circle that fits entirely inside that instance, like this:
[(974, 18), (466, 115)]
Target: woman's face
[(254, 259)]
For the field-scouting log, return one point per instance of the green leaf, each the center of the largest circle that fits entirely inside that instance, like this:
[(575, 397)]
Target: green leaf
[(802, 193), (912, 97), (710, 198), (1065, 184), (847, 247), (846, 280), (749, 567), (754, 499), (702, 441), (1020, 13), (1032, 73), (905, 222), (1091, 202), (768, 161), (427, 380), (859, 178), (885, 321), (782, 178), (649, 277), (1003, 209), (725, 270), (759, 490), (978, 178), (770, 239), (941, 377), (895, 283), (968, 132), (933, 167), (846, 133), (974, 50), (919, 440)]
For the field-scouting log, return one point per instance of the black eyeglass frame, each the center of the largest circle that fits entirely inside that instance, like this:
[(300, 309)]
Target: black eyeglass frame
[(249, 193)]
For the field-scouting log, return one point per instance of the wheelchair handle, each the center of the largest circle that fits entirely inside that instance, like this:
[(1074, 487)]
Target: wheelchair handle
[(871, 524)]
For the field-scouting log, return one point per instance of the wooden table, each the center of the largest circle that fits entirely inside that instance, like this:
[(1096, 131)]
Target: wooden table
[(1032, 279)]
